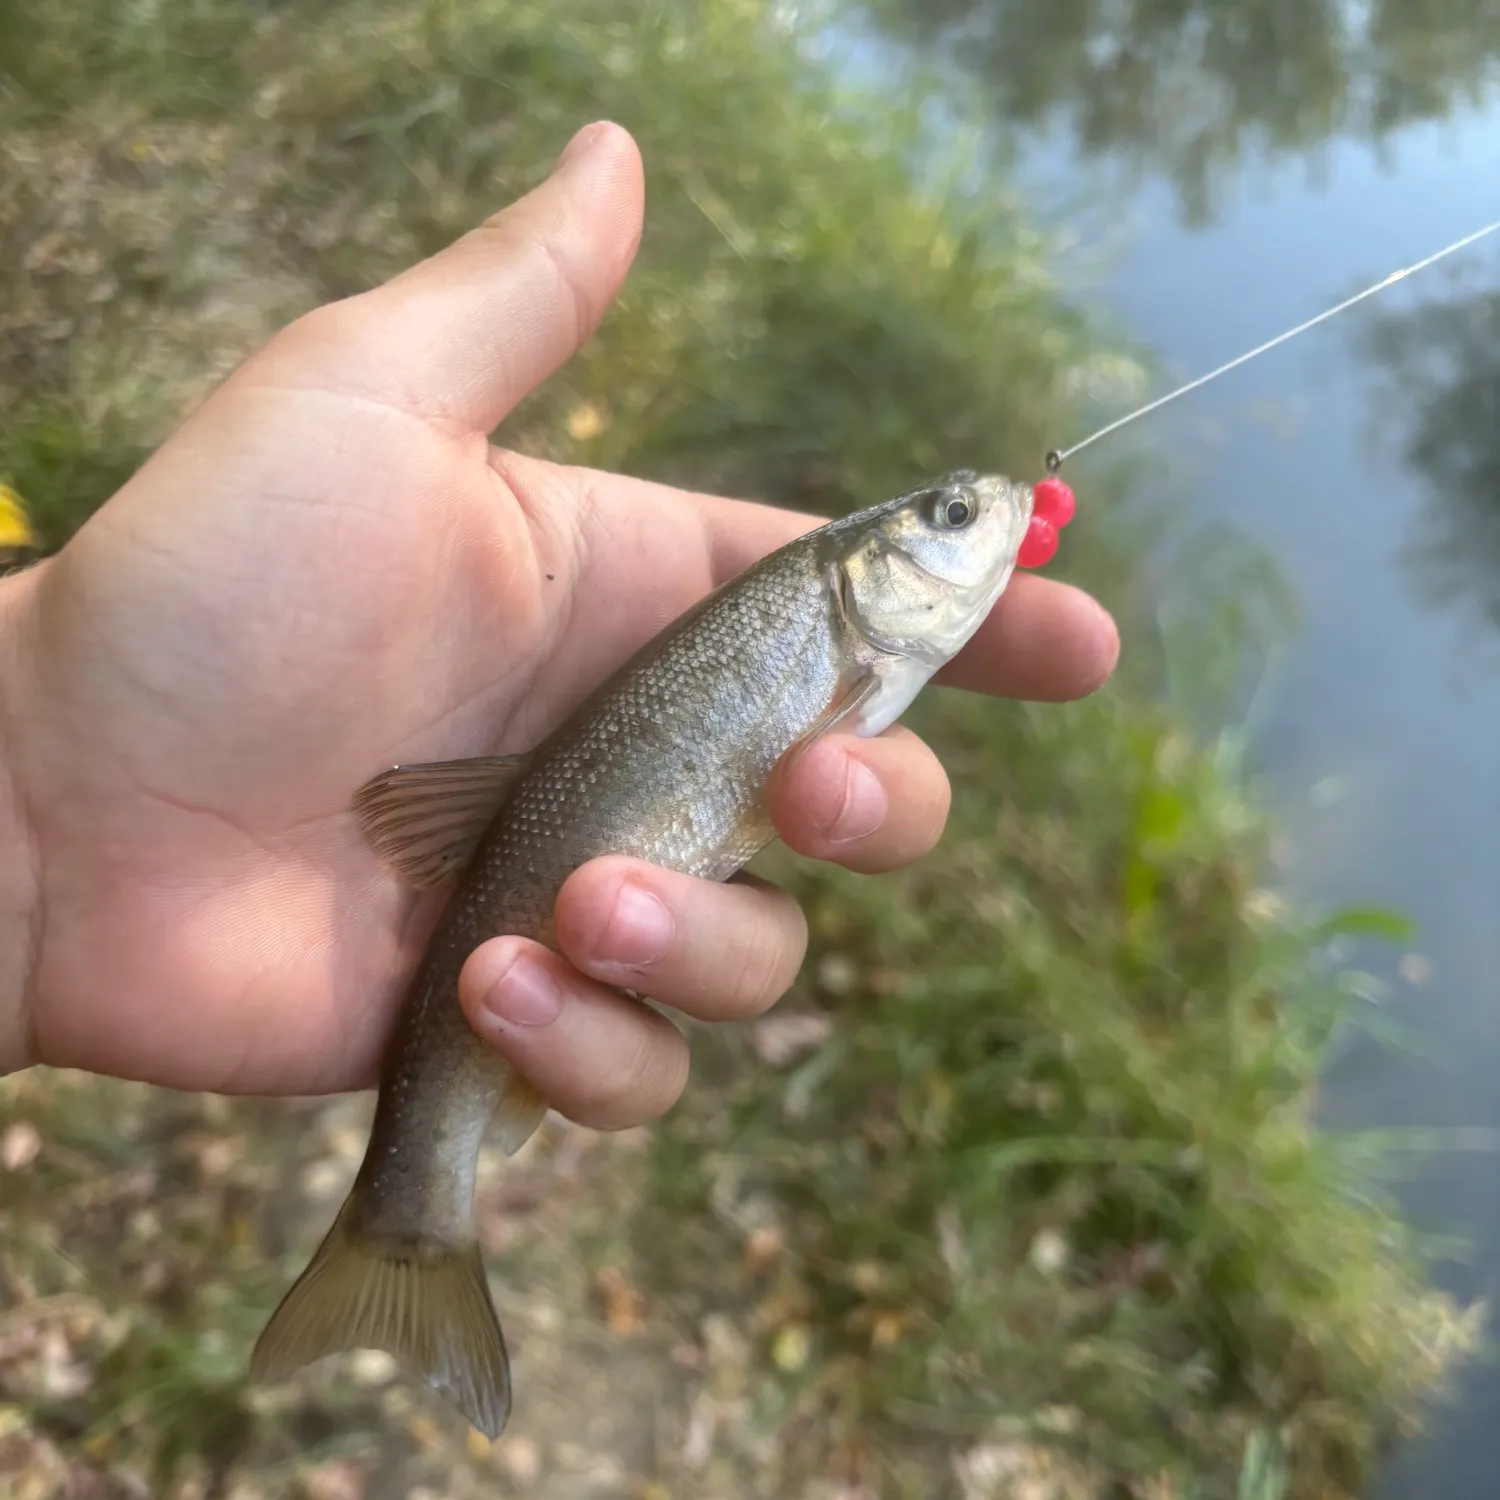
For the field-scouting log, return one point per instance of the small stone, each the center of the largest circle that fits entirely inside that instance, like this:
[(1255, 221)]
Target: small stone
[(372, 1367), (341, 1479), (837, 973), (322, 1179), (1049, 1252), (346, 1143), (61, 1375), (19, 1146), (216, 1156), (522, 1460), (763, 1247)]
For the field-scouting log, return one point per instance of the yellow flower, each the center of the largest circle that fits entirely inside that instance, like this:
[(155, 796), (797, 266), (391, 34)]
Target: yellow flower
[(15, 529)]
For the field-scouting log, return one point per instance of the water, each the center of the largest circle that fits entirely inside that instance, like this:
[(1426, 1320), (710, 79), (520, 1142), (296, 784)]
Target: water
[(1381, 731)]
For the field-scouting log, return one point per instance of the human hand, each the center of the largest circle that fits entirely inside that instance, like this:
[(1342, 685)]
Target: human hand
[(328, 569)]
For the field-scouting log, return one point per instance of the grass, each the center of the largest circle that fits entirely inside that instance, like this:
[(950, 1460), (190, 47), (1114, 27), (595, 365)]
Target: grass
[(1050, 1178), (1018, 1193)]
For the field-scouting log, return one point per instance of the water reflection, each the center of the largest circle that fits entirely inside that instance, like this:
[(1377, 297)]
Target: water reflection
[(1197, 102), (1193, 89), (1439, 366)]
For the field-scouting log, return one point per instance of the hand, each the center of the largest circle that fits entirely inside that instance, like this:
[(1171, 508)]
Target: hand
[(329, 569)]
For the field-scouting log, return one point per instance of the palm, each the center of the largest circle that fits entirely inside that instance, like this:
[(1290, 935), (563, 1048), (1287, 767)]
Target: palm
[(357, 586), (325, 571)]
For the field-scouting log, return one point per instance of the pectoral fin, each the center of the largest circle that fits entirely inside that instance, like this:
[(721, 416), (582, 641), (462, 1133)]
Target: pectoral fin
[(853, 697), (521, 1110), (427, 819)]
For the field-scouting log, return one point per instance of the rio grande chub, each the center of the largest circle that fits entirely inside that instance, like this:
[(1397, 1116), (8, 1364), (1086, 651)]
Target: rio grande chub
[(667, 761)]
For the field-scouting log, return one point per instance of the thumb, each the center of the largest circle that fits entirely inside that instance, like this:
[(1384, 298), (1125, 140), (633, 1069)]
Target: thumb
[(466, 334)]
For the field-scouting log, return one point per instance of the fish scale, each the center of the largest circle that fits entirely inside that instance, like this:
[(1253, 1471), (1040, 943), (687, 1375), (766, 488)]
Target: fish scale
[(669, 762)]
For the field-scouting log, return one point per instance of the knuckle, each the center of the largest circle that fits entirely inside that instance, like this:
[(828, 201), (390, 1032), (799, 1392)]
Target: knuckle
[(646, 1076), (768, 957)]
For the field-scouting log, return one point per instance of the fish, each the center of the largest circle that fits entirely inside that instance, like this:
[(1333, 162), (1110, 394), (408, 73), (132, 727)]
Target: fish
[(668, 761)]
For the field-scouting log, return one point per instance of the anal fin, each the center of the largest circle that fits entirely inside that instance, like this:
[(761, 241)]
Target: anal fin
[(426, 819)]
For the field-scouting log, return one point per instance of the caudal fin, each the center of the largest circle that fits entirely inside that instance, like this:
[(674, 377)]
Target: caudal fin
[(427, 1305)]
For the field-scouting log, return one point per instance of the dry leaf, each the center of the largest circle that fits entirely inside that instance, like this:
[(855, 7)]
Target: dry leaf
[(780, 1038), (624, 1307), (791, 1348)]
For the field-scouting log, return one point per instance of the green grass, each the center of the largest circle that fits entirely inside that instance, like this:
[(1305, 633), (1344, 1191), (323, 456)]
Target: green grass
[(1041, 1198), (1054, 1160)]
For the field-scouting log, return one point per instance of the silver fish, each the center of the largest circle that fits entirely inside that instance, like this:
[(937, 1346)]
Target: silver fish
[(667, 761)]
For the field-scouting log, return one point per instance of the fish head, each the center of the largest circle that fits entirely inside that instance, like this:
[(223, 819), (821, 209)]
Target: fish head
[(919, 574)]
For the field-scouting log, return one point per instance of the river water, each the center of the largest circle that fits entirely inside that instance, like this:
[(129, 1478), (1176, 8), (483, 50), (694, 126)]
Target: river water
[(1380, 732)]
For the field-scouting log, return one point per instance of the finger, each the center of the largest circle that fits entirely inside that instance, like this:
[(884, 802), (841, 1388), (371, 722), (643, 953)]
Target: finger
[(1044, 640), (599, 1057), (869, 805), (464, 335), (717, 952)]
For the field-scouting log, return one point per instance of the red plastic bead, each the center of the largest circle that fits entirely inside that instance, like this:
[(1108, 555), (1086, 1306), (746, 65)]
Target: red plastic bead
[(1053, 501), (1040, 544)]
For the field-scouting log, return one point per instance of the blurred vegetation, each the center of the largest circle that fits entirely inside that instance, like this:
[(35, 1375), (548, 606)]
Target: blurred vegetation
[(1017, 1194), (1193, 88), (167, 207)]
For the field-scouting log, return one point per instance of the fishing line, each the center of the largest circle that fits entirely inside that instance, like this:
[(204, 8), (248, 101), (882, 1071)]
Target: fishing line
[(1056, 457)]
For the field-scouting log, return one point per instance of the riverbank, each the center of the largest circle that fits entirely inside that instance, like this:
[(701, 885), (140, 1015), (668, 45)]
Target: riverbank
[(1019, 1188)]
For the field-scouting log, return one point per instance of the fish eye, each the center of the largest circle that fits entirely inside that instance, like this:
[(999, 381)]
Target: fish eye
[(958, 512), (944, 508)]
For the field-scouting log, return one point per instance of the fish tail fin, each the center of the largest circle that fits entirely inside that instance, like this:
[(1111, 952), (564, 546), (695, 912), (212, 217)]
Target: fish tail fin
[(426, 1304)]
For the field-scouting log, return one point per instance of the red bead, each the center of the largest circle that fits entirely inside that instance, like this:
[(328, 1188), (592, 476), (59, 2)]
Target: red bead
[(1053, 501), (1040, 544)]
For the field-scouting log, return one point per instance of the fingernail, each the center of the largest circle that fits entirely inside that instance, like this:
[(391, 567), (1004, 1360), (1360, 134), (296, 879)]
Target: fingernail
[(863, 808), (580, 143), (639, 929), (524, 995)]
